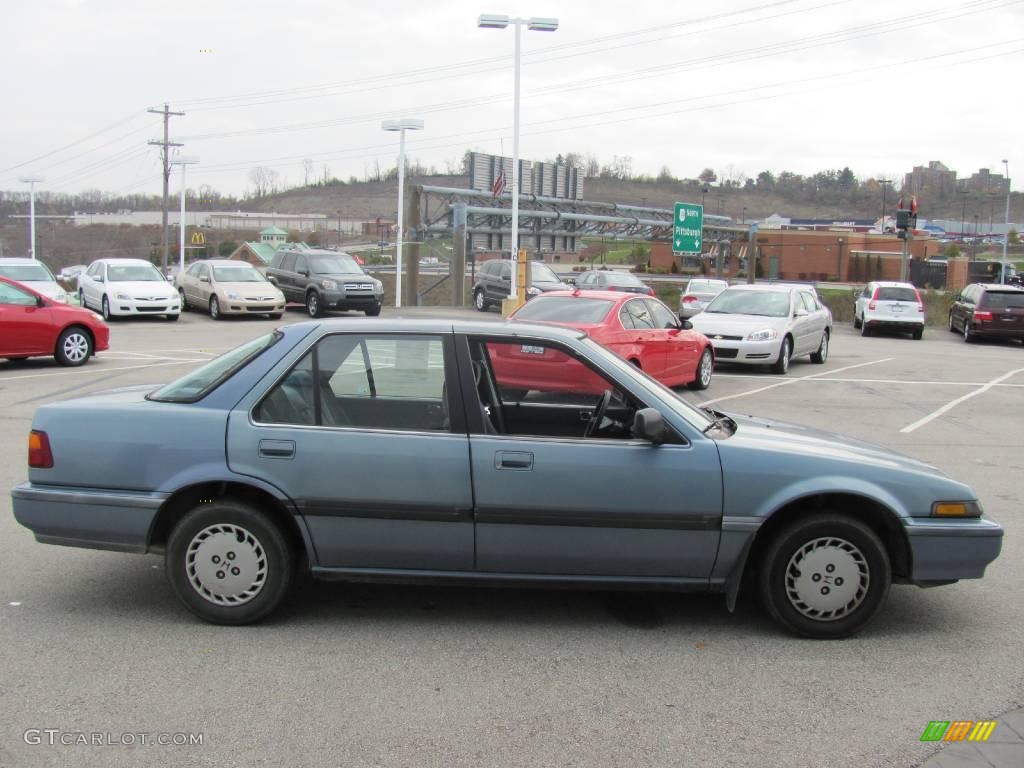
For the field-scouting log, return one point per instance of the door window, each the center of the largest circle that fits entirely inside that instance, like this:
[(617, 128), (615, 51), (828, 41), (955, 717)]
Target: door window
[(367, 382), (663, 317), (808, 301), (193, 271), (640, 315), (288, 263), (11, 295), (300, 264), (506, 271)]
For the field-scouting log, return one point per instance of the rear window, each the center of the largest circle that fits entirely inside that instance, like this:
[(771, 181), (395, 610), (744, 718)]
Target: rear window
[(1004, 299), (706, 286), (895, 293), (565, 309), (202, 381)]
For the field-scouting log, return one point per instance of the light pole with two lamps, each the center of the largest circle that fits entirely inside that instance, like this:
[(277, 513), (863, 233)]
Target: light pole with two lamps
[(183, 162), (403, 125), (535, 24), (31, 181)]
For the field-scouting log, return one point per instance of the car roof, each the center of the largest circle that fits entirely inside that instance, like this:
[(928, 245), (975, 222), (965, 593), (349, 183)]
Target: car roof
[(121, 260), (223, 262), (891, 284), (430, 325), (586, 293), (998, 286)]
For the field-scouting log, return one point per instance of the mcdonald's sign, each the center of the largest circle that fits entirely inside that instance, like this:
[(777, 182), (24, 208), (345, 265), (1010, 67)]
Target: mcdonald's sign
[(198, 238), (958, 730)]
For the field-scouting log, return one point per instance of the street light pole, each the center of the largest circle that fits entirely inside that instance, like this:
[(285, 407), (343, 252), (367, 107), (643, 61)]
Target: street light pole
[(885, 185), (403, 125), (536, 24), (183, 162), (1006, 234), (31, 181)]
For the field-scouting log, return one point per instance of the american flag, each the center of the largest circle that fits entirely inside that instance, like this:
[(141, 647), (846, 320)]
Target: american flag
[(498, 187)]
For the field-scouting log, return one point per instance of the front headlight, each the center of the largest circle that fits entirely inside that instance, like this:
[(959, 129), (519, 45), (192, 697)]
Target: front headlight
[(765, 334), (233, 296), (62, 297), (123, 297), (328, 285), (956, 509), (378, 285)]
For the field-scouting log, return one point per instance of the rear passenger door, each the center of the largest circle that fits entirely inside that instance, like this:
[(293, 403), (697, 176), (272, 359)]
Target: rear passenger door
[(361, 434)]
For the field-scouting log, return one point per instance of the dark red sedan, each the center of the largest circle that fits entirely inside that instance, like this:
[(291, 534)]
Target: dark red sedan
[(638, 328), (32, 325)]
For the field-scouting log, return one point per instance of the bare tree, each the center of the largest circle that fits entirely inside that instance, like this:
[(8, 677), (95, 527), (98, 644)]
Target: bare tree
[(327, 173), (260, 178), (307, 171), (591, 166)]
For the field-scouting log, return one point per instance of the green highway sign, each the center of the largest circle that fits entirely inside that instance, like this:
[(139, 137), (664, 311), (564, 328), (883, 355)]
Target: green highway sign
[(687, 228)]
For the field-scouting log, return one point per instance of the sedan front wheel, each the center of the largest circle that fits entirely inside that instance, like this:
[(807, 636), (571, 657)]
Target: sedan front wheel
[(825, 576), (74, 347)]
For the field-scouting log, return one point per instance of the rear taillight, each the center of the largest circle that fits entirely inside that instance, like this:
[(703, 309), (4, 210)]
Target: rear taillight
[(920, 304), (689, 299), (650, 291), (39, 454), (982, 315), (872, 306), (612, 288)]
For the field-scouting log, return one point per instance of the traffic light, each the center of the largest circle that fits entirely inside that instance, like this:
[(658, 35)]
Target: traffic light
[(906, 219)]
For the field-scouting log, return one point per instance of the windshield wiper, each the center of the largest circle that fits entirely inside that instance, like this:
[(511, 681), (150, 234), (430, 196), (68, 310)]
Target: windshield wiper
[(721, 420)]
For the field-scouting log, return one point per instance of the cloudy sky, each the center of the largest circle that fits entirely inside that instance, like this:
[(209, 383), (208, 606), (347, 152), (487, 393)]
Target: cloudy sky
[(736, 85)]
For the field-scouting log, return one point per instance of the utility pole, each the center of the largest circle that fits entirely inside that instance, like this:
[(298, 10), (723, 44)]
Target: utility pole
[(165, 144)]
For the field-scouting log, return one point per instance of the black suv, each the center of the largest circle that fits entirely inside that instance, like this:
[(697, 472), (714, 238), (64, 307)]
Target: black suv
[(988, 310), (494, 281), (324, 280)]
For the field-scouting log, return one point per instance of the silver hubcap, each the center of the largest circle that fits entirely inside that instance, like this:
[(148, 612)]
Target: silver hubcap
[(214, 307), (967, 330), (226, 564), (479, 300), (705, 369), (76, 347), (106, 307), (823, 351), (785, 356), (827, 579), (181, 298), (312, 303)]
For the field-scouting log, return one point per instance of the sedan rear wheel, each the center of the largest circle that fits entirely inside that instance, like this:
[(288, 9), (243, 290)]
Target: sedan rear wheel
[(704, 370), (825, 576), (822, 354), (950, 323), (183, 300), (229, 562), (74, 347), (968, 336)]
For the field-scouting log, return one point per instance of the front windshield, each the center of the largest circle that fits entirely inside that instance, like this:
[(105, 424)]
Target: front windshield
[(693, 415), (243, 274), (341, 264), (140, 273), (565, 309), (26, 273), (541, 273), (737, 301), (200, 382)]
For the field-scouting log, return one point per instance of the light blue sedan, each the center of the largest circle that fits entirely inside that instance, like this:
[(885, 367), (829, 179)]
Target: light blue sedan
[(390, 450)]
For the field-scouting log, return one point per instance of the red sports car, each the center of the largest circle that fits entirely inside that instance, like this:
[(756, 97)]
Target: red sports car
[(639, 328), (32, 325)]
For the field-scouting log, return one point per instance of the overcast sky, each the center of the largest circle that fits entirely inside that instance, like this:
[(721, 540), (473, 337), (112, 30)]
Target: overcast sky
[(736, 85)]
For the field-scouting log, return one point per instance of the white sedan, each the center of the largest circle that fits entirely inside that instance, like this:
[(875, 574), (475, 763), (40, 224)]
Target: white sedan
[(766, 325), (127, 287)]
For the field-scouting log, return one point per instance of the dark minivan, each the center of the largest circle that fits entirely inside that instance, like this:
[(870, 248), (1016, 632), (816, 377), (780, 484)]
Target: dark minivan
[(324, 280), (990, 311), (494, 282)]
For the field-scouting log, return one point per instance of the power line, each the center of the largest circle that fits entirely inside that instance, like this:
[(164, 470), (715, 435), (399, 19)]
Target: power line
[(110, 127)]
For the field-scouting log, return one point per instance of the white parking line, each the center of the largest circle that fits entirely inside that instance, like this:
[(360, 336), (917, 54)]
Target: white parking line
[(917, 383), (954, 403), (792, 381), (98, 369)]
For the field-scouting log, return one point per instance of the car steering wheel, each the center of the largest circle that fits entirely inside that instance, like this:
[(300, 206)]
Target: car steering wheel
[(598, 417)]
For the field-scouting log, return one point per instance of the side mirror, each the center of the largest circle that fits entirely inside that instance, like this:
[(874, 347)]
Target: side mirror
[(99, 279), (304, 272), (800, 312), (40, 301), (686, 325), (649, 424)]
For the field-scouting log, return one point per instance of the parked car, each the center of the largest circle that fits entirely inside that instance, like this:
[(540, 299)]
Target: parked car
[(612, 280), (325, 280), (35, 275), (434, 477), (34, 325), (72, 272), (767, 325), (988, 311), (889, 305), (224, 287), (697, 294), (494, 282), (127, 288), (641, 330)]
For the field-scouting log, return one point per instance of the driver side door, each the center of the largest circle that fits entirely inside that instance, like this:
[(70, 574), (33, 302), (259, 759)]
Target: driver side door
[(552, 497)]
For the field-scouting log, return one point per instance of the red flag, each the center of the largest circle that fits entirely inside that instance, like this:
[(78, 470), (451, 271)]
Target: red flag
[(499, 184)]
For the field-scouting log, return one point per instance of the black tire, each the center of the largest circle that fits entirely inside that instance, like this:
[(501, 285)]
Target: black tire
[(74, 346), (797, 604), (480, 301), (313, 307), (949, 324), (183, 300), (105, 309), (865, 329), (194, 550), (81, 300), (781, 365), (856, 322), (969, 337), (215, 308), (821, 355), (275, 315), (172, 317), (704, 369), (374, 312), (918, 334)]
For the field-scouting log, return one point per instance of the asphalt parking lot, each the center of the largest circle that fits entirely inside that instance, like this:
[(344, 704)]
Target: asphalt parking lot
[(359, 675)]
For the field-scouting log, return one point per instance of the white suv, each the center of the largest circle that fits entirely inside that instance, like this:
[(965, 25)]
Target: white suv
[(895, 306)]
